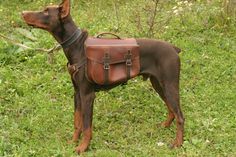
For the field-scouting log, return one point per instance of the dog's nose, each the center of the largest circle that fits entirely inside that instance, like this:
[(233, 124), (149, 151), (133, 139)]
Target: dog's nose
[(24, 13)]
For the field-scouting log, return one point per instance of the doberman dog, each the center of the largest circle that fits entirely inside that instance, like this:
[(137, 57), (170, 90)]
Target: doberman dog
[(159, 61)]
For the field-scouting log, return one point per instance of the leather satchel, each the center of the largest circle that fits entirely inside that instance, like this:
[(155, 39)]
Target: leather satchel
[(111, 60)]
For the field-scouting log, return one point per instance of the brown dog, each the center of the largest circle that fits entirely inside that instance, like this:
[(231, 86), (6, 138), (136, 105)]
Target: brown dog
[(159, 61)]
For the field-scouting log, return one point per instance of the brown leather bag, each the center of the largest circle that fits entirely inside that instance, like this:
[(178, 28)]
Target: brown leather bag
[(111, 60)]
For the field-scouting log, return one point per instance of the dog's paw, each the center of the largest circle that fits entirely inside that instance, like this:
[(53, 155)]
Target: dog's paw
[(175, 144), (80, 149), (77, 150), (163, 125)]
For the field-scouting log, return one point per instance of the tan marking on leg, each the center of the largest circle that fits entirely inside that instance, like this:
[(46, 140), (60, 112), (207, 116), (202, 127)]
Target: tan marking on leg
[(77, 125), (87, 136)]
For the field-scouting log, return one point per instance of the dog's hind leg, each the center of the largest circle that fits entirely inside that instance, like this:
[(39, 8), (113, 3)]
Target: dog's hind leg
[(87, 114), (157, 86), (172, 98), (171, 92)]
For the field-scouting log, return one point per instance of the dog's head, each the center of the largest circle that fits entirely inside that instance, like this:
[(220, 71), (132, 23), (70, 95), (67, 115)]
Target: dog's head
[(50, 18)]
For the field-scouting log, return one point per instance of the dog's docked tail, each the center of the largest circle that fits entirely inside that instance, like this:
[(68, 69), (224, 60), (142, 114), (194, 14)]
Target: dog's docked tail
[(178, 50)]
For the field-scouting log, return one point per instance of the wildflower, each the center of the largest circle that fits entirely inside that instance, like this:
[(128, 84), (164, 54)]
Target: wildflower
[(175, 7), (176, 12), (160, 144), (181, 9), (180, 3)]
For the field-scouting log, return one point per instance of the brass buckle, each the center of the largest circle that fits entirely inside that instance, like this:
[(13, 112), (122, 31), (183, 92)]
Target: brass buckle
[(73, 67), (106, 58), (128, 62), (106, 66), (128, 57)]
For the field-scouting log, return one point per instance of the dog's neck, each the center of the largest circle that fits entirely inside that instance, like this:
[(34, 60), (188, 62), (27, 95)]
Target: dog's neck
[(66, 28), (75, 51)]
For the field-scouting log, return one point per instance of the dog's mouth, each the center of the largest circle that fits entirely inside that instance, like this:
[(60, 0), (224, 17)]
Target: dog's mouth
[(28, 19), (32, 25)]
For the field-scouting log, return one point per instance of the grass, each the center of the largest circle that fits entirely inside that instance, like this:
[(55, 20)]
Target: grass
[(36, 103)]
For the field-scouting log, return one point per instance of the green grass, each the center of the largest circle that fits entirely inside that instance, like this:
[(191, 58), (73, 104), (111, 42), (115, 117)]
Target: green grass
[(36, 103)]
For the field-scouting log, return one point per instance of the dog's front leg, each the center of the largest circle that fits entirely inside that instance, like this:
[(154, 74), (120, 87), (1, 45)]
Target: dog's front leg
[(87, 115), (77, 116)]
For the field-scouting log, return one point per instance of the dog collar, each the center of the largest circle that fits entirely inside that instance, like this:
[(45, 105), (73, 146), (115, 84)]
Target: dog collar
[(71, 39)]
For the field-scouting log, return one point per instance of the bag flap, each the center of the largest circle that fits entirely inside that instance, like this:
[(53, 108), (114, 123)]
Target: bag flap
[(116, 49), (109, 41)]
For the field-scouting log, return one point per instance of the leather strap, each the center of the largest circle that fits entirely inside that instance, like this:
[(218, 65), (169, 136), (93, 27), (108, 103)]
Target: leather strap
[(128, 63), (74, 68), (71, 39), (106, 68), (107, 33)]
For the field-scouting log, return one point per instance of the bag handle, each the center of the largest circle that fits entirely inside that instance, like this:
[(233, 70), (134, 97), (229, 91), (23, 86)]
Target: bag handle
[(107, 33)]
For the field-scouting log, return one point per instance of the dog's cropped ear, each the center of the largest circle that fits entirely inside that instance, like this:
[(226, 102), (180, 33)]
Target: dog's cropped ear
[(64, 8)]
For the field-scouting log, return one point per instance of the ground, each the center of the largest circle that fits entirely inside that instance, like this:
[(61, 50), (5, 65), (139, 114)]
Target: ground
[(36, 96)]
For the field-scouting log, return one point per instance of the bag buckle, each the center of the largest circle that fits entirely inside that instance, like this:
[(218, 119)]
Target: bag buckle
[(106, 66), (128, 58), (106, 58), (128, 62)]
